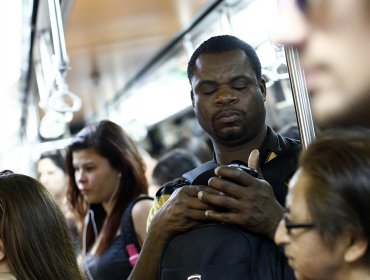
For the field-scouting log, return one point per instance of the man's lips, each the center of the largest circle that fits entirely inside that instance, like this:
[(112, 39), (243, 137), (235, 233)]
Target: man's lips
[(229, 116)]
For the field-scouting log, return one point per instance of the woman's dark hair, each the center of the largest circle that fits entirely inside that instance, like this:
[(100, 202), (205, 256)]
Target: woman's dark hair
[(36, 240), (337, 166), (111, 142), (225, 43)]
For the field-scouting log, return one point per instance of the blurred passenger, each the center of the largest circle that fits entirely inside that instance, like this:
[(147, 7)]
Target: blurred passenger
[(171, 165), (326, 230), (34, 240), (150, 163), (333, 41), (107, 182), (196, 146), (51, 173)]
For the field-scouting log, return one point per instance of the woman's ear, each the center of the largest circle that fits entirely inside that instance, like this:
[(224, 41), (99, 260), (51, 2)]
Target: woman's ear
[(4, 267), (2, 253), (356, 249)]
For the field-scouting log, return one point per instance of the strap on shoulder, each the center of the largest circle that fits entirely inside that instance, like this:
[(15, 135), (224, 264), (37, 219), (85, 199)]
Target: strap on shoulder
[(201, 174), (128, 231)]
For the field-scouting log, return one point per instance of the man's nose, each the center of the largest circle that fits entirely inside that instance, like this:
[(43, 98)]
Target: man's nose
[(224, 95), (291, 26)]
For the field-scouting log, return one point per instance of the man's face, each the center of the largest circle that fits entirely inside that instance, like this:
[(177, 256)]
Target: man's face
[(333, 40), (227, 98)]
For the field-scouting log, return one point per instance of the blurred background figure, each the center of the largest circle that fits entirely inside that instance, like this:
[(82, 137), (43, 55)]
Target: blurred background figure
[(51, 173), (150, 162), (195, 145), (107, 191), (337, 77), (291, 131), (34, 237), (171, 165), (326, 230)]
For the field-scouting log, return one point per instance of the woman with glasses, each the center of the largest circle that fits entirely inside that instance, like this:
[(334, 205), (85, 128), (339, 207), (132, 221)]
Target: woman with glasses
[(326, 230)]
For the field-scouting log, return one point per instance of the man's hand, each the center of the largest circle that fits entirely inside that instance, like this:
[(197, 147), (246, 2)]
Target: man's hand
[(248, 201), (182, 211)]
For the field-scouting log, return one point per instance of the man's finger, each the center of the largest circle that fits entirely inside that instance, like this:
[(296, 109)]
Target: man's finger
[(254, 161)]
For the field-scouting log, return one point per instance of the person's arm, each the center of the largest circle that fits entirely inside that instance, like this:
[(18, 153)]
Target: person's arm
[(181, 212), (139, 214), (147, 264)]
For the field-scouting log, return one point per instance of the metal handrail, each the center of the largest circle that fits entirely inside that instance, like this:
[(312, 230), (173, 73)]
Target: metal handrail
[(300, 96)]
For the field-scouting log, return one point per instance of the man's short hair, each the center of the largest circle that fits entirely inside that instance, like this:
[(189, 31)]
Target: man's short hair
[(225, 43)]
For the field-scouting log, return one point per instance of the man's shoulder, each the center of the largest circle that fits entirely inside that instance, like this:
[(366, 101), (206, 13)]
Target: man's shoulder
[(290, 142), (277, 147), (290, 145), (279, 143)]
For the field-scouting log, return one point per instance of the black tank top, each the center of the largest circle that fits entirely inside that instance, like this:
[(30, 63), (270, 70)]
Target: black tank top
[(114, 263)]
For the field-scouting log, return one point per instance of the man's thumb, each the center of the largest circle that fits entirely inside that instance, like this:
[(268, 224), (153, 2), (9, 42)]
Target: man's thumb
[(253, 161)]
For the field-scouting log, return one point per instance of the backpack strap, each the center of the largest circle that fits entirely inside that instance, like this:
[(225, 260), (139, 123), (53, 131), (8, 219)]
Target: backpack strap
[(201, 174), (128, 231)]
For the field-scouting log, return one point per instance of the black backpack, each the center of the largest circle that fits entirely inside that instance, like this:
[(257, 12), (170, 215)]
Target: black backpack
[(222, 252), (217, 251)]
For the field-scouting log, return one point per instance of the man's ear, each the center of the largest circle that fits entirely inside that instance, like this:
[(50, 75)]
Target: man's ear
[(262, 85), (356, 248), (192, 98)]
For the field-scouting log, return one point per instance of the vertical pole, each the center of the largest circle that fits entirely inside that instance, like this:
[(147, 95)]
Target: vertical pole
[(300, 97), (60, 51)]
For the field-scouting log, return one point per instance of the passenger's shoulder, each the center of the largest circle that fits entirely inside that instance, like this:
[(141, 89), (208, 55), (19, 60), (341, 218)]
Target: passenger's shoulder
[(143, 204), (141, 208)]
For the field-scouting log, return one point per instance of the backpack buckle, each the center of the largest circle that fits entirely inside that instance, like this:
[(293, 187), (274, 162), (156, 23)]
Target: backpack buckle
[(195, 277)]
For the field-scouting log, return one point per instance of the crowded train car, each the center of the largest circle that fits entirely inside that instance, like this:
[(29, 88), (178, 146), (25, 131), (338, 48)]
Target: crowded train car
[(133, 123), (69, 63)]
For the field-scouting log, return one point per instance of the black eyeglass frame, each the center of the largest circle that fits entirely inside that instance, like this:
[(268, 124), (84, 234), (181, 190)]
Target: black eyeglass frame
[(291, 225)]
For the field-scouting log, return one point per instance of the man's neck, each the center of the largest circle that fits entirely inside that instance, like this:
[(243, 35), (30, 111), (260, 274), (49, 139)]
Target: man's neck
[(225, 154)]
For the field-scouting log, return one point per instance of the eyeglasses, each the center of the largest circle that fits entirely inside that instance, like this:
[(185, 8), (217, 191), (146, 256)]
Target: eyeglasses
[(290, 225)]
